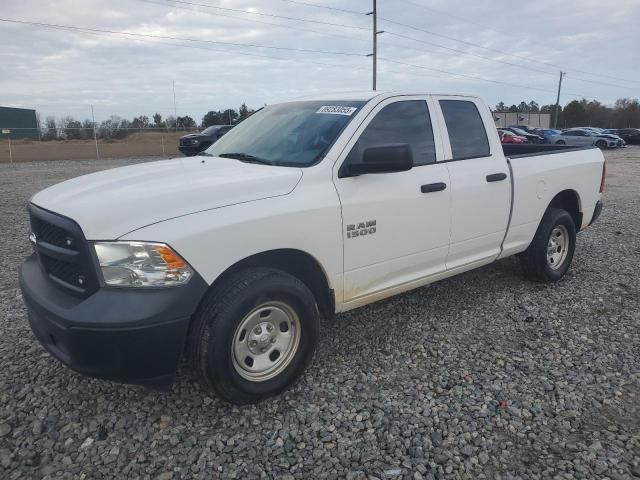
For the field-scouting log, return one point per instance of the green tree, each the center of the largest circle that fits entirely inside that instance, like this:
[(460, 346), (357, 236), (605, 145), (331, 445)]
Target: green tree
[(157, 120), (229, 116), (244, 112), (87, 129), (140, 122), (185, 122), (500, 107), (626, 113), (212, 118), (50, 131), (574, 114), (72, 128)]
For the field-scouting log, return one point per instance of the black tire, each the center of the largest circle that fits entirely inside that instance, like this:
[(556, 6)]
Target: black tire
[(534, 260), (601, 144), (221, 313)]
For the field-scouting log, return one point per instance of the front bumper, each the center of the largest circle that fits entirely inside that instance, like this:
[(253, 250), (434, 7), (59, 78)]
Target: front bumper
[(125, 335)]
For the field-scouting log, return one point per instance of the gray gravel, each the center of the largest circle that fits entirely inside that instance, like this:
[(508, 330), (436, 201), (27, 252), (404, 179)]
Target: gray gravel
[(481, 376)]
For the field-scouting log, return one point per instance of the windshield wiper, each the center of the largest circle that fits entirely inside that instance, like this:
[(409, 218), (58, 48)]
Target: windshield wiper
[(245, 157), (203, 154)]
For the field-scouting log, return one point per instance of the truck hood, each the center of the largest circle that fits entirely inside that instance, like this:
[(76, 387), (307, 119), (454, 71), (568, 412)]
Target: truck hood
[(111, 203)]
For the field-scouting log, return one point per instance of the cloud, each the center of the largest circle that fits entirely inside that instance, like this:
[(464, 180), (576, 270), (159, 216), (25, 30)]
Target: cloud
[(59, 72)]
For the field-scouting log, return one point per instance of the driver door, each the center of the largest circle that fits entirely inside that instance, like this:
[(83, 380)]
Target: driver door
[(395, 225)]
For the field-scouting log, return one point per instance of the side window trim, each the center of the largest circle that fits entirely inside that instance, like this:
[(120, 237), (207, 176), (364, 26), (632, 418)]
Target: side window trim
[(448, 156), (343, 157)]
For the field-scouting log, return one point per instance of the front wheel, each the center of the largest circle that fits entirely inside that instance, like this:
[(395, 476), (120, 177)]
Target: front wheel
[(551, 251), (601, 144), (254, 335)]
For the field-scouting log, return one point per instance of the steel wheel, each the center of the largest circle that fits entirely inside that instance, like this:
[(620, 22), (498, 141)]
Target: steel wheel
[(265, 341), (557, 247)]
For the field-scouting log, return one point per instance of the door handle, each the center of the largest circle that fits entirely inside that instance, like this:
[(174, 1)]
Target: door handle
[(496, 177), (433, 187)]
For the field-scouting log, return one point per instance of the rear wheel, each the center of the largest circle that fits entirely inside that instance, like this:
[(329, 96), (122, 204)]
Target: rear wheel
[(254, 335), (601, 144), (550, 253)]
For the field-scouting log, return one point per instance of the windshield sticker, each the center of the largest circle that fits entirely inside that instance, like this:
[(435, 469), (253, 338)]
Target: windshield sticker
[(337, 110)]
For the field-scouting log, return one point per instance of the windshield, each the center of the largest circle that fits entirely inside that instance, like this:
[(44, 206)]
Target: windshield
[(294, 134), (520, 132)]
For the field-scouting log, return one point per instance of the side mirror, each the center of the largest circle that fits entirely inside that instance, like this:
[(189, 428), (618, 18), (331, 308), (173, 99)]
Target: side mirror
[(393, 157)]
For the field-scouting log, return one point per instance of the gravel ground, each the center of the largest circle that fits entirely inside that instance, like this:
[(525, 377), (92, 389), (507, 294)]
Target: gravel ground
[(480, 376)]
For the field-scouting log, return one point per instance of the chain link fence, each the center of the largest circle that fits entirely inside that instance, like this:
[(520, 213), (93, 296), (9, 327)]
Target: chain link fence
[(31, 144)]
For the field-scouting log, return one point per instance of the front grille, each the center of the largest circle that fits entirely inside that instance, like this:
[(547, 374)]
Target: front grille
[(69, 273), (48, 233), (63, 252), (185, 142)]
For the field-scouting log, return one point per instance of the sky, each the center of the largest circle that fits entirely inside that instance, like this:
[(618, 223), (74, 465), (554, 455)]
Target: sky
[(217, 57)]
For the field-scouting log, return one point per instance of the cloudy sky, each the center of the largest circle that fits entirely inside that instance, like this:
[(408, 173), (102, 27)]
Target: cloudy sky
[(509, 51)]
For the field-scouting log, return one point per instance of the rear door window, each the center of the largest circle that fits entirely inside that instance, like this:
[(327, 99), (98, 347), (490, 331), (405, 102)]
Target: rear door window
[(467, 134)]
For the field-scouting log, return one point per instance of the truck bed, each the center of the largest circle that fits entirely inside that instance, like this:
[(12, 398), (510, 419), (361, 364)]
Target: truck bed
[(533, 149)]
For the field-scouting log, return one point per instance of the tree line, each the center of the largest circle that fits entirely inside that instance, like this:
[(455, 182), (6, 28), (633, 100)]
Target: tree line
[(624, 113), (115, 127)]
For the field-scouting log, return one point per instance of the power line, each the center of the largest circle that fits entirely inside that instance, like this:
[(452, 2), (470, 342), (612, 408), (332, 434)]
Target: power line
[(464, 52), (495, 50), (217, 42), (475, 77), (201, 47), (441, 12), (253, 20), (272, 15), (504, 62), (326, 7)]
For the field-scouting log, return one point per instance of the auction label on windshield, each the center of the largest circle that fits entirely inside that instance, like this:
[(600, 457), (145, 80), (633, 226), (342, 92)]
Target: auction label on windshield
[(337, 110)]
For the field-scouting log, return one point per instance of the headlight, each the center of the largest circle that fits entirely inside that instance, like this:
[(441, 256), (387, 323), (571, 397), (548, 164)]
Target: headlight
[(141, 264)]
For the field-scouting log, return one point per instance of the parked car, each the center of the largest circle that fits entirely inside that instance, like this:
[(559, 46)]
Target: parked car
[(195, 143), (600, 132), (629, 135), (547, 133), (310, 207), (531, 137), (507, 137), (582, 137)]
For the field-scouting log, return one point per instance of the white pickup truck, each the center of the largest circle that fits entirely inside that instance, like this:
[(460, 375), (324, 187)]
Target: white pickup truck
[(308, 208)]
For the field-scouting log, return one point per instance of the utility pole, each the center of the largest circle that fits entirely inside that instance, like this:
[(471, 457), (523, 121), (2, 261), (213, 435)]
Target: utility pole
[(175, 110), (376, 32), (95, 136), (555, 117)]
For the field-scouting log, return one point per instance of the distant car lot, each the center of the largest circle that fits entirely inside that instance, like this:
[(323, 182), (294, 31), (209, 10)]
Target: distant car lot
[(575, 136), (468, 377), (194, 143)]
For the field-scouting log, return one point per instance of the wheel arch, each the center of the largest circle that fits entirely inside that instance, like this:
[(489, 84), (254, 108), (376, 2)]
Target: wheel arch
[(570, 201), (297, 263)]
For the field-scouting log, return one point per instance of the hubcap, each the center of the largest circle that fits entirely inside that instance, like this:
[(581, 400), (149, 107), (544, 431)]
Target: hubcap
[(266, 341), (557, 247)]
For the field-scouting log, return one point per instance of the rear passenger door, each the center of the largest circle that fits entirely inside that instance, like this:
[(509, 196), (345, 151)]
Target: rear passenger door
[(480, 183)]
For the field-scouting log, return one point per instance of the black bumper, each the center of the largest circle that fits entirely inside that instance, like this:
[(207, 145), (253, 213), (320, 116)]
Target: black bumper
[(122, 334), (596, 212)]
